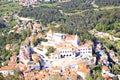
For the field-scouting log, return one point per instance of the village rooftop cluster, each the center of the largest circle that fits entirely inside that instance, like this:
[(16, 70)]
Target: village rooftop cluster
[(58, 54)]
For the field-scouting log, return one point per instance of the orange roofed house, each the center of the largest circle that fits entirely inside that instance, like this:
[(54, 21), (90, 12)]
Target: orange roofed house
[(83, 70), (5, 70)]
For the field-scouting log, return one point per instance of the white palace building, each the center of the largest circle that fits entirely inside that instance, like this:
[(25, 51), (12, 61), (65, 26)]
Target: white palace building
[(67, 46)]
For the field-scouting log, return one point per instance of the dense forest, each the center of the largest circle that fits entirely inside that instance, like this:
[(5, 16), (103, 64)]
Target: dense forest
[(76, 23), (79, 16), (108, 2), (76, 5), (2, 23)]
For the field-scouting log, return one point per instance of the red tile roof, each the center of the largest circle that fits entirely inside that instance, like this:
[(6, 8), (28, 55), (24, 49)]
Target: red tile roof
[(83, 68), (105, 68), (7, 68)]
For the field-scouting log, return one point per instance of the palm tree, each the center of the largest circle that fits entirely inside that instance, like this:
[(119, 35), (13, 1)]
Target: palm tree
[(36, 58)]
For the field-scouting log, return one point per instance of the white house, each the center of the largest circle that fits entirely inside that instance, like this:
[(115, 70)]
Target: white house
[(85, 52), (67, 46), (106, 72), (58, 37), (24, 54), (7, 72)]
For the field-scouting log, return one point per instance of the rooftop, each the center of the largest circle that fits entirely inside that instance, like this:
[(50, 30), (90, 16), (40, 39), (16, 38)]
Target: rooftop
[(105, 68), (83, 68)]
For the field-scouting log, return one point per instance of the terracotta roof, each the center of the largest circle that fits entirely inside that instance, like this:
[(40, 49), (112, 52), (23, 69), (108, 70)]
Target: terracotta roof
[(39, 35), (32, 38), (24, 21), (35, 57), (50, 32), (36, 25), (56, 68), (27, 41), (105, 68), (73, 73), (89, 42), (9, 47), (67, 69), (40, 77), (21, 66), (12, 61), (103, 58), (65, 73), (7, 68), (56, 52), (116, 58), (65, 47), (111, 52), (84, 46), (70, 37), (83, 68), (43, 72)]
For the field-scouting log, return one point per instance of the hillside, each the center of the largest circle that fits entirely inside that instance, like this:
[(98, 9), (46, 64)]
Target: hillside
[(84, 20), (79, 16), (108, 2), (76, 16)]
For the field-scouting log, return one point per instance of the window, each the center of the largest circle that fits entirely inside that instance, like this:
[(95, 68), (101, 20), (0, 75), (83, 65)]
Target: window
[(89, 48), (62, 56), (89, 51)]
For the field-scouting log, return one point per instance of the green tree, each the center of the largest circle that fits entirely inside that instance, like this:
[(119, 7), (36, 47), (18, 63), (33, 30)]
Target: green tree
[(50, 49)]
